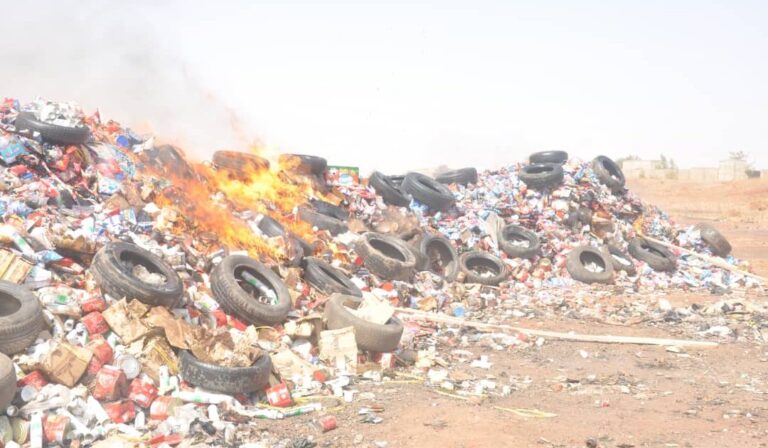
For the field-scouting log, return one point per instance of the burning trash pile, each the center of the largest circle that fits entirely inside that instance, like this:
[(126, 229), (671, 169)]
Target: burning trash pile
[(149, 299)]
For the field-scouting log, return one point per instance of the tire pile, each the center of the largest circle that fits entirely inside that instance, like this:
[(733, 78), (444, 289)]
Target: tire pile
[(109, 318)]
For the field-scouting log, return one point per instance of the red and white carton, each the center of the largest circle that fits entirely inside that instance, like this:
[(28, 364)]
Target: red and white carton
[(122, 411), (163, 407), (278, 395), (142, 392), (111, 384)]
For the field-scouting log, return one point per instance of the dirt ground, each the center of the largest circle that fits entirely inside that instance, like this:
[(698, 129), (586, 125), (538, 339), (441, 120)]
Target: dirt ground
[(602, 395)]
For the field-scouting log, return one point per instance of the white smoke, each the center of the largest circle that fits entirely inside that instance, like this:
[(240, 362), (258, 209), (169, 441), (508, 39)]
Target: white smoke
[(106, 55)]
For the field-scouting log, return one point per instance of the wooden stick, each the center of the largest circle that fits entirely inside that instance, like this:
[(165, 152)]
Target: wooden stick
[(605, 339), (711, 260)]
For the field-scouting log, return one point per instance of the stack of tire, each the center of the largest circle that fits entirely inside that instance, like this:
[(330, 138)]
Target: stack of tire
[(21, 319)]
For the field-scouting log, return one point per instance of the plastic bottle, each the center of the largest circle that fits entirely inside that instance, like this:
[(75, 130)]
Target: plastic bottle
[(36, 431), (198, 396), (302, 410)]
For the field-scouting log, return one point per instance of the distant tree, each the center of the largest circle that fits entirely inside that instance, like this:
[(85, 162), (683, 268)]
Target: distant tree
[(738, 155), (672, 164), (664, 163)]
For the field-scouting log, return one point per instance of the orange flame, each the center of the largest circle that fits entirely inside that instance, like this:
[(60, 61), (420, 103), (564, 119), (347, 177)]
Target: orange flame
[(210, 203)]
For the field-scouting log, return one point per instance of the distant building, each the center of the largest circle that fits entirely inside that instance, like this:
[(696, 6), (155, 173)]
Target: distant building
[(727, 171), (647, 169), (730, 170)]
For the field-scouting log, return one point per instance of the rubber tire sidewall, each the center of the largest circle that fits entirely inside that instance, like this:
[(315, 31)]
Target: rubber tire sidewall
[(604, 176), (369, 336), (382, 266), (548, 157), (717, 243), (7, 381), (426, 241), (112, 278), (235, 300), (53, 133), (540, 181), (462, 176), (578, 272), (437, 198), (319, 274), (664, 263), (230, 380), (19, 329), (322, 222), (513, 251), (471, 277), (388, 191)]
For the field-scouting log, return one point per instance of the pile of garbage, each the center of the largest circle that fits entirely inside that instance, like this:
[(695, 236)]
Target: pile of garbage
[(150, 299)]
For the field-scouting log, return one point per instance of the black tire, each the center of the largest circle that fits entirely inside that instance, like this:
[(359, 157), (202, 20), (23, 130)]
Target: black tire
[(52, 132), (303, 164), (428, 191), (322, 222), (621, 261), (559, 157), (229, 380), (715, 240), (439, 256), (239, 164), (657, 256), (609, 173), (577, 260), (386, 257), (7, 382), (475, 264), (397, 180), (369, 336), (461, 176), (170, 161), (295, 252), (518, 242), (539, 176), (308, 249), (388, 190), (112, 268), (21, 318), (413, 239), (328, 209), (328, 279), (270, 227), (228, 289), (320, 184)]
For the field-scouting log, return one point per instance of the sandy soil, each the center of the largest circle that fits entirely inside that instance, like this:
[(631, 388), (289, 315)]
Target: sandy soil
[(602, 395)]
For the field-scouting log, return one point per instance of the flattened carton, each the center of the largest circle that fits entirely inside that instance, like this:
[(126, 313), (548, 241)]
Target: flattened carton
[(13, 268), (66, 363)]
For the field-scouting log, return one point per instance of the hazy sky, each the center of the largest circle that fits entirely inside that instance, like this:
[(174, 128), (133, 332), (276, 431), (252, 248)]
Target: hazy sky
[(397, 85)]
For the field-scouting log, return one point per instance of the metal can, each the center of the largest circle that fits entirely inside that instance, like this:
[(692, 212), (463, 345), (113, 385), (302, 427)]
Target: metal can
[(129, 365), (142, 392), (163, 407), (28, 393), (95, 323), (121, 411), (327, 422), (34, 378), (20, 430), (55, 428), (93, 304), (101, 349), (279, 396)]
